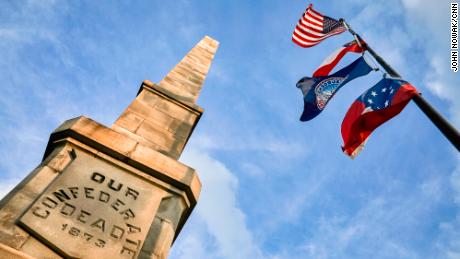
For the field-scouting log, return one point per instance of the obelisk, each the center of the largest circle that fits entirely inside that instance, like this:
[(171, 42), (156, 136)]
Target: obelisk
[(114, 192)]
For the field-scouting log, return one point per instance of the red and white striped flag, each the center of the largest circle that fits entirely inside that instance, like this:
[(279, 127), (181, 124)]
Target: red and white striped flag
[(330, 62), (314, 27)]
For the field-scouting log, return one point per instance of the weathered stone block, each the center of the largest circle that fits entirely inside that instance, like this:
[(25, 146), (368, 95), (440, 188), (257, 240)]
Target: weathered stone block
[(113, 192)]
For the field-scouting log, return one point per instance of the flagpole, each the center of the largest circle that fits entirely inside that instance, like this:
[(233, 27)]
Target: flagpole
[(436, 118)]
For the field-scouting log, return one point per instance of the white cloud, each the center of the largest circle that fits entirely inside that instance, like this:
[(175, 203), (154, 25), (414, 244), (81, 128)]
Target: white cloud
[(440, 80), (10, 34), (375, 230), (434, 35), (218, 209), (192, 242), (448, 242), (252, 169), (282, 146)]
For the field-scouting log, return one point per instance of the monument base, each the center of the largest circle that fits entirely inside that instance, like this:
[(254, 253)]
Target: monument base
[(114, 192), (100, 194)]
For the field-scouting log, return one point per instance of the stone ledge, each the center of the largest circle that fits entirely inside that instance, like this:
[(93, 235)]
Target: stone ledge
[(7, 252), (185, 102), (131, 152)]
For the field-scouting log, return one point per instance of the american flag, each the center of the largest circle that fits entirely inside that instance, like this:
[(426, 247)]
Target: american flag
[(314, 27)]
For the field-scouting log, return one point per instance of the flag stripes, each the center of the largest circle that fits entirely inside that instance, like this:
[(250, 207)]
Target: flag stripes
[(332, 60), (314, 27)]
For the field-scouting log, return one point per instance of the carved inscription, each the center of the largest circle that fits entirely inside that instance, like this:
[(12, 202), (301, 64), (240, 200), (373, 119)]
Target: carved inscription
[(60, 201), (99, 214)]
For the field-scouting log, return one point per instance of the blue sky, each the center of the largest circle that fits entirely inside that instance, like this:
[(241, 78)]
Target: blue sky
[(273, 187)]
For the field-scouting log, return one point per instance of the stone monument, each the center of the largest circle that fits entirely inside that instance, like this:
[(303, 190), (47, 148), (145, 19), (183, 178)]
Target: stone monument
[(114, 192)]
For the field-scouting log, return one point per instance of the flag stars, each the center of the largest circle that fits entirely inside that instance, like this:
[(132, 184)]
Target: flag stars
[(369, 111), (373, 93)]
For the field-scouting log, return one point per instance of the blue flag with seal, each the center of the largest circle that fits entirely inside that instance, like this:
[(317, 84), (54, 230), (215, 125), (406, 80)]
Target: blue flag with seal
[(317, 91)]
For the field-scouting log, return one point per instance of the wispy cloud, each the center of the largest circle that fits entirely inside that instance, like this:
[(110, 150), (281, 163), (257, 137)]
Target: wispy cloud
[(434, 35), (373, 231), (219, 212), (449, 239), (270, 144)]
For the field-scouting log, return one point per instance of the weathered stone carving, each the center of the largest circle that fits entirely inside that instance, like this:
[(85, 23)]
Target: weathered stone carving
[(114, 192)]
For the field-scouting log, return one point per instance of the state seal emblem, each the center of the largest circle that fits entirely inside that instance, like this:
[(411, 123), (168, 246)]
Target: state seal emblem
[(325, 89)]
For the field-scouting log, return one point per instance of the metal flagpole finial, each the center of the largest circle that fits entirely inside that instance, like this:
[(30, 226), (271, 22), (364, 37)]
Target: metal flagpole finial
[(347, 26), (355, 35), (344, 23)]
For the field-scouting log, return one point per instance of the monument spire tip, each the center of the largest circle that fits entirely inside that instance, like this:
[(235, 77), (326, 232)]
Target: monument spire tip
[(187, 78)]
